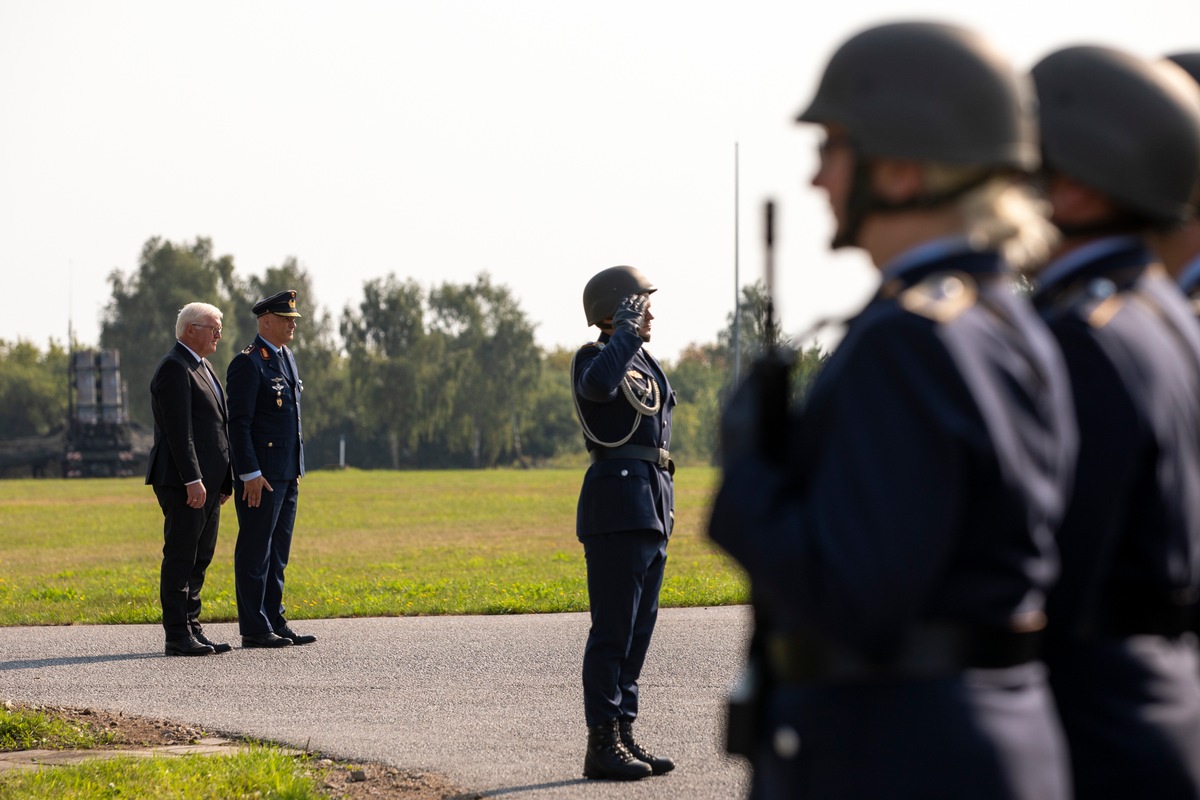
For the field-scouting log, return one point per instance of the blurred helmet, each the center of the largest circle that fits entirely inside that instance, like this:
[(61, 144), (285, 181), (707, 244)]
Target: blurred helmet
[(606, 288), (1122, 125), (930, 92), (1190, 63)]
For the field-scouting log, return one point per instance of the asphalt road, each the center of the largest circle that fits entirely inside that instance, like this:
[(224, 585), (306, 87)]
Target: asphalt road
[(493, 702)]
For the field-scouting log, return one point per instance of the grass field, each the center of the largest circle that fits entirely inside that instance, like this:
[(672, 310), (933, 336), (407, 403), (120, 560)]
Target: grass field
[(366, 544)]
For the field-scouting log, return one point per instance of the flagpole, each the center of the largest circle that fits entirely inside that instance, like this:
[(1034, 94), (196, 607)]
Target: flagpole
[(737, 302)]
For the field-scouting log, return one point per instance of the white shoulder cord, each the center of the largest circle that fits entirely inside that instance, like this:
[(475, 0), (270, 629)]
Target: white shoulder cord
[(636, 400)]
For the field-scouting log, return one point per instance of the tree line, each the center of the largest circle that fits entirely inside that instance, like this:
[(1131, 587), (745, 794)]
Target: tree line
[(411, 377)]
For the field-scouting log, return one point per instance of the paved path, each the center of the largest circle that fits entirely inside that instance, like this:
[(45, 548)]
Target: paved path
[(493, 702)]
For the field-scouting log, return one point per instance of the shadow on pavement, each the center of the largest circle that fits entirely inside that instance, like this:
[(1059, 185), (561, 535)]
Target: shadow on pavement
[(532, 787), (37, 663)]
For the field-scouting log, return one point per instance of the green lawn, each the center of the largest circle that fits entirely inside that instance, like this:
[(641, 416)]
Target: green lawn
[(366, 544)]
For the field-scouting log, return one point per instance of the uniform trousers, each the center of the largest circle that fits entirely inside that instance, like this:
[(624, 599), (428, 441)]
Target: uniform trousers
[(984, 734), (1130, 706), (263, 545), (624, 576), (189, 540)]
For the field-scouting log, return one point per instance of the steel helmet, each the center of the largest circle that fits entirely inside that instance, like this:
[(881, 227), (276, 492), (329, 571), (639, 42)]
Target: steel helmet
[(1190, 62), (931, 92), (606, 288), (1121, 124)]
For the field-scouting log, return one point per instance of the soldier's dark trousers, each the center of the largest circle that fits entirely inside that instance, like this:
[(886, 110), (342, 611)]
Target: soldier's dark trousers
[(261, 556), (624, 576), (189, 540)]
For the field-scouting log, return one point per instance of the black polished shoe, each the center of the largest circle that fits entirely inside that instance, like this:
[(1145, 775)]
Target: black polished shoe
[(608, 758), (287, 633), (658, 764), (187, 647), (218, 647), (265, 640)]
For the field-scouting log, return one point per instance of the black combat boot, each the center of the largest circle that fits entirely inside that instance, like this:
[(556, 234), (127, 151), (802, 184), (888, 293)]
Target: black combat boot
[(607, 757), (659, 765)]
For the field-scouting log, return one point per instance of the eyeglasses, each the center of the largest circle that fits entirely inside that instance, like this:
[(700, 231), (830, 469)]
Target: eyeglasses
[(832, 143), (216, 329)]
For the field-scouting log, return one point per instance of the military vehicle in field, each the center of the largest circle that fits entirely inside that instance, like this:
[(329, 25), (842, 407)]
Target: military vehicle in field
[(98, 439)]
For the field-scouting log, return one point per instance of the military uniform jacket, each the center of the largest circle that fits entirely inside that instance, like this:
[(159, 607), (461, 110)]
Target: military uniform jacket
[(1133, 351), (622, 494), (191, 440), (925, 475), (264, 412), (1189, 282)]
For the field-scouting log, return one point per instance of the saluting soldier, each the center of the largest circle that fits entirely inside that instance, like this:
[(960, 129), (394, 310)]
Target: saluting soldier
[(268, 458), (1121, 140), (625, 513), (1179, 247), (902, 543)]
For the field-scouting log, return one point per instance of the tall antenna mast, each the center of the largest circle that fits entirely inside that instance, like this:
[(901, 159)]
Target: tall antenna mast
[(737, 299)]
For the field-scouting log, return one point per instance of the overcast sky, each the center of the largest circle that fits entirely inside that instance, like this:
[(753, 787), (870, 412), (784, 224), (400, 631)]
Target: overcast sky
[(537, 140)]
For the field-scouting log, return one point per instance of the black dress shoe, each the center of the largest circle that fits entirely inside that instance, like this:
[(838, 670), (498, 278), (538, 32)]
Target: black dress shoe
[(287, 633), (187, 647), (265, 640), (219, 647)]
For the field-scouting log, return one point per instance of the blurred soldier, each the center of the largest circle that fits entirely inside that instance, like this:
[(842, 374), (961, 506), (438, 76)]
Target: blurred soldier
[(902, 543), (268, 457), (625, 514), (1121, 144), (1179, 248), (189, 469)]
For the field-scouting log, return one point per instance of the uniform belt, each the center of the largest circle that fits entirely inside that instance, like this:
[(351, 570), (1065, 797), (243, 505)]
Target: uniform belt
[(929, 650), (655, 455), (1138, 611)]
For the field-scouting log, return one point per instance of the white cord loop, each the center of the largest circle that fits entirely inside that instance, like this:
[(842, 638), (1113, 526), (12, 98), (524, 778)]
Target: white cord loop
[(646, 400)]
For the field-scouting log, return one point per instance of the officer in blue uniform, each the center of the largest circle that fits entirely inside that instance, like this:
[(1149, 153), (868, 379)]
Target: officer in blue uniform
[(625, 513), (1123, 667), (264, 389), (901, 543), (1179, 247)]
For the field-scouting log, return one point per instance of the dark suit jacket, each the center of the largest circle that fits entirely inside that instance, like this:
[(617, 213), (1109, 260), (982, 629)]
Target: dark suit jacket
[(191, 435)]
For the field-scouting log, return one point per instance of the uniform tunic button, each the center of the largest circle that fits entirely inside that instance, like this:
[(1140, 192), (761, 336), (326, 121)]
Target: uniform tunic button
[(270, 444), (624, 473), (786, 742)]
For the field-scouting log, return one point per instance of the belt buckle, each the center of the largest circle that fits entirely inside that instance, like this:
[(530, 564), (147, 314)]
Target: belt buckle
[(664, 458)]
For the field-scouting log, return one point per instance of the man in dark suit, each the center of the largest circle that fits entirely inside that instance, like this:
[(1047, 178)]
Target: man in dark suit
[(268, 457), (625, 514), (189, 470)]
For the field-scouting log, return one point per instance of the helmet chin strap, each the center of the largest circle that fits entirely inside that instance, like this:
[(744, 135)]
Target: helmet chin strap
[(863, 201), (859, 204), (1115, 225)]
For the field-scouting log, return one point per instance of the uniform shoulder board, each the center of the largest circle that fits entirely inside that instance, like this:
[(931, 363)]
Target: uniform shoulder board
[(248, 349), (1098, 301), (597, 345), (942, 297)]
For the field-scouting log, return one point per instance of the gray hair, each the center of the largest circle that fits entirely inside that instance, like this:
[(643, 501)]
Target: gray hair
[(195, 314)]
